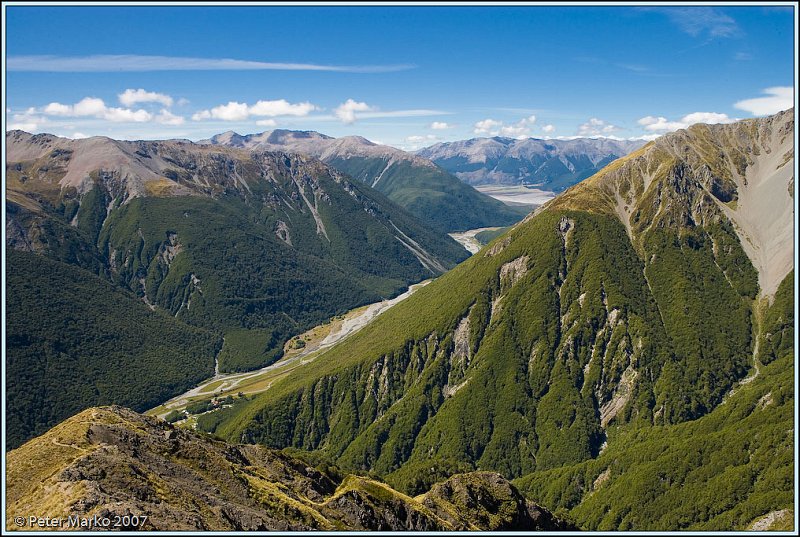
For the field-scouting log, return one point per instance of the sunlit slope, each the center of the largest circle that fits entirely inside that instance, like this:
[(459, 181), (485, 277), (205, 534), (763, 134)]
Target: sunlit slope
[(627, 302)]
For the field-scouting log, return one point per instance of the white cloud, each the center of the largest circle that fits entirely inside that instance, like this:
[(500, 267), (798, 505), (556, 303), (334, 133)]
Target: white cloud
[(132, 96), (123, 115), (706, 117), (267, 123), (418, 141), (78, 135), (28, 127), (28, 120), (492, 127), (102, 63), (513, 131), (596, 127), (425, 138), (94, 107), (89, 106), (236, 111), (233, 111), (165, 117), (778, 98), (487, 126), (439, 125), (651, 123), (347, 110), (548, 128), (281, 107), (662, 124), (647, 137), (58, 109)]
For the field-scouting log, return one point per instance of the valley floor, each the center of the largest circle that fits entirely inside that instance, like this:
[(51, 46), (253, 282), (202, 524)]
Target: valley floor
[(516, 195), (317, 340)]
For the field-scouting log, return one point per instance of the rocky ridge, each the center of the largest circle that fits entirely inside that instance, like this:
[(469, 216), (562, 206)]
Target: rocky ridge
[(110, 461)]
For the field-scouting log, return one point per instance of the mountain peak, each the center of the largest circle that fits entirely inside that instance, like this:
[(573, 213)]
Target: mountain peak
[(741, 171)]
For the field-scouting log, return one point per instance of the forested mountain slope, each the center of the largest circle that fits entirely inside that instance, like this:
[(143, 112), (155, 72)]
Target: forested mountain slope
[(250, 246), (416, 184), (638, 299)]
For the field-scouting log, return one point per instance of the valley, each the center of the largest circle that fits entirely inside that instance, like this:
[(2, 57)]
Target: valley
[(315, 341), (566, 364)]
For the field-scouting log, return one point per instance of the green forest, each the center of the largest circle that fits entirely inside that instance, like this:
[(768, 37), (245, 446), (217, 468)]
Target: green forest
[(71, 345)]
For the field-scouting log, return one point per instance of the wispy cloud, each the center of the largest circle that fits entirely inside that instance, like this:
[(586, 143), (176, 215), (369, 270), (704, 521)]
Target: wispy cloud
[(104, 63), (700, 21), (636, 68), (777, 99)]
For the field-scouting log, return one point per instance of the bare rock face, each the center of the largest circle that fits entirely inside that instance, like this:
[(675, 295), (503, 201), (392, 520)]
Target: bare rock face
[(111, 462)]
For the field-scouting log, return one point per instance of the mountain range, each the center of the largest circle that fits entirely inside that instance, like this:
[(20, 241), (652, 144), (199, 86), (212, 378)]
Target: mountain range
[(416, 184), (198, 243), (546, 164), (623, 357)]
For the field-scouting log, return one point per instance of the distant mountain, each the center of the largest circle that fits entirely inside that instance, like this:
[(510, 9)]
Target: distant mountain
[(252, 246), (547, 164), (422, 188), (143, 474), (626, 352)]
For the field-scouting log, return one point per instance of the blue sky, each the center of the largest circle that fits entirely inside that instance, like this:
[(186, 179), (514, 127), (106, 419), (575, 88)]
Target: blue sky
[(406, 76)]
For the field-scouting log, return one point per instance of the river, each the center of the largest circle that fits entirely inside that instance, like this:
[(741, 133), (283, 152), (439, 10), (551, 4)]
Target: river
[(351, 323)]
